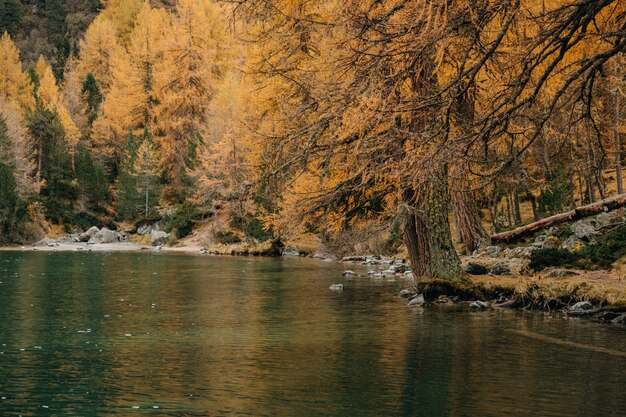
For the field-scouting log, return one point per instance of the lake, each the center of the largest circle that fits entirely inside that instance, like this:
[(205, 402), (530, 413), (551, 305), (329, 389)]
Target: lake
[(109, 334)]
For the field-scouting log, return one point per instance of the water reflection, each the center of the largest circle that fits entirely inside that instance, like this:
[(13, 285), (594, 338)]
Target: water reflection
[(141, 334)]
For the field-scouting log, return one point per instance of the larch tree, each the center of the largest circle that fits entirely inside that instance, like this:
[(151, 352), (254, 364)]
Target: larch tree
[(192, 66), (15, 85)]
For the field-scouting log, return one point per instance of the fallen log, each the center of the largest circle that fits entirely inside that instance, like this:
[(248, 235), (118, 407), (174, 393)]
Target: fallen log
[(605, 205)]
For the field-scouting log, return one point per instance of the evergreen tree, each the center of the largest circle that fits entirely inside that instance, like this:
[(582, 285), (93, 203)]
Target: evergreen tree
[(92, 96), (10, 15), (12, 208)]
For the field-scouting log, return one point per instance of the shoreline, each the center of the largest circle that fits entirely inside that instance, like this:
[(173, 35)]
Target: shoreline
[(603, 293)]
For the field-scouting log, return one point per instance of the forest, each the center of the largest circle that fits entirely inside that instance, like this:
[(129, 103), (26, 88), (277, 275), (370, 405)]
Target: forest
[(426, 124)]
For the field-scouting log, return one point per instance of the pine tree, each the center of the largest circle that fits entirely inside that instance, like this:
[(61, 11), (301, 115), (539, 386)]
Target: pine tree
[(92, 97)]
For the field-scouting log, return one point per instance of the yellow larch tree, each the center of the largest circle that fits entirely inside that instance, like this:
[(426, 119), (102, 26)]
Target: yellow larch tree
[(15, 85), (192, 66), (50, 97)]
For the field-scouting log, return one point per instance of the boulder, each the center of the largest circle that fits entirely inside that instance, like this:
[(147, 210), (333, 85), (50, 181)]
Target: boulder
[(584, 230), (336, 287), (500, 268), (349, 273), (493, 251), (573, 244), (291, 250), (416, 300), (609, 219), (105, 235), (85, 237), (581, 306), (519, 252), (473, 268), (405, 293), (478, 305), (158, 238)]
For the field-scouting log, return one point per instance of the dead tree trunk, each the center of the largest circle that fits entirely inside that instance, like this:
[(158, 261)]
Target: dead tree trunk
[(575, 214)]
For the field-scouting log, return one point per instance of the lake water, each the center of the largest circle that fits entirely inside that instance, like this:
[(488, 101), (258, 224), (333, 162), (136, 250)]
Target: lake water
[(107, 334)]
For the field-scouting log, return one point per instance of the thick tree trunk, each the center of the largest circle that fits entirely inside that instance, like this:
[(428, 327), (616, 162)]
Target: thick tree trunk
[(427, 231), (469, 227), (578, 213)]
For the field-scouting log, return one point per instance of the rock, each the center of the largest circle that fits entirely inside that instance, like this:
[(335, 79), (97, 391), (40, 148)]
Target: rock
[(158, 238), (416, 300), (389, 272), (349, 273), (444, 299), (493, 251), (551, 242), (204, 251), (405, 293), (581, 306), (500, 268), (584, 230), (336, 287), (105, 235), (85, 237), (609, 219), (291, 250), (520, 252), (479, 305), (473, 268), (573, 244), (145, 229)]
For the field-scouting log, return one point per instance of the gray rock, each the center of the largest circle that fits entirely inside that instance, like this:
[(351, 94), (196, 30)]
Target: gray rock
[(105, 235), (519, 252), (291, 250), (609, 219), (581, 306), (405, 293), (479, 305), (584, 230), (473, 268), (158, 238), (85, 237), (348, 273), (144, 230), (336, 287), (493, 251), (572, 243), (416, 300), (500, 268)]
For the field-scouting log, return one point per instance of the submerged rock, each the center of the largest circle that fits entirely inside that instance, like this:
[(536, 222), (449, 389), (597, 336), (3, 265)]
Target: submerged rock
[(336, 287), (416, 300), (405, 293), (479, 305), (348, 273)]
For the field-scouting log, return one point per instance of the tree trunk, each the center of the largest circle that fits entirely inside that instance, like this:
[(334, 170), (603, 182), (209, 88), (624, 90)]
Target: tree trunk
[(431, 248), (427, 230), (575, 214), (467, 223), (516, 208), (618, 142)]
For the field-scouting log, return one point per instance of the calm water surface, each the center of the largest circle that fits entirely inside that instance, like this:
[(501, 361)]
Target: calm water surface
[(95, 334)]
